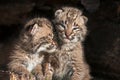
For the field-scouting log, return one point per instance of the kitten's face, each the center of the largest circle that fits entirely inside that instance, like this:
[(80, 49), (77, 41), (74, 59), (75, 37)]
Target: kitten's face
[(39, 33), (70, 24)]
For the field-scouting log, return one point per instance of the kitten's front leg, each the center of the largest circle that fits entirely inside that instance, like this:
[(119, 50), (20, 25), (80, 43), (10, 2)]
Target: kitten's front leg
[(22, 77), (48, 71), (77, 75), (38, 72), (80, 70), (20, 72)]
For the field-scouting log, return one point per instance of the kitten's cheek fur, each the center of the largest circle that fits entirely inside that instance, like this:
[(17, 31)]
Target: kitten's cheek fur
[(81, 37)]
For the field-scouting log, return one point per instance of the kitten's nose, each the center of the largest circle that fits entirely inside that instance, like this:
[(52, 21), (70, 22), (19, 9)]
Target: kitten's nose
[(68, 33)]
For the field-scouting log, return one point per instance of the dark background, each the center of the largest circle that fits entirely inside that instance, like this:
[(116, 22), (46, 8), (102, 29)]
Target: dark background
[(102, 44)]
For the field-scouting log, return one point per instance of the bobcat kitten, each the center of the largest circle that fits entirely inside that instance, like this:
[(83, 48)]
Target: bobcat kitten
[(36, 40), (70, 25)]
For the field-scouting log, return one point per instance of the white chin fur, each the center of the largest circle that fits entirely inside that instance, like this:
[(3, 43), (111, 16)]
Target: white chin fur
[(35, 57), (34, 61)]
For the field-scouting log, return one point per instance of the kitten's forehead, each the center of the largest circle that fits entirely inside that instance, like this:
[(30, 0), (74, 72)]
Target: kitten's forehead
[(40, 22), (72, 10), (38, 27), (68, 13)]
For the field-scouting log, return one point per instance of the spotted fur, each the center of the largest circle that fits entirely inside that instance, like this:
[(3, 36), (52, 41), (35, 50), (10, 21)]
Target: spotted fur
[(35, 40), (70, 25)]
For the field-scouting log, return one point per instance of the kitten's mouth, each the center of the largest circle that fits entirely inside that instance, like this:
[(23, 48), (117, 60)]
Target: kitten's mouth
[(72, 39)]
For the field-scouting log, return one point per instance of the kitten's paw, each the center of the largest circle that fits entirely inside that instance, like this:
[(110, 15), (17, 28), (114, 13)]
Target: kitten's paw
[(27, 77), (39, 77), (24, 76)]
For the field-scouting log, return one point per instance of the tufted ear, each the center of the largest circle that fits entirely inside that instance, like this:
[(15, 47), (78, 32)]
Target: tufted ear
[(32, 29), (85, 19), (58, 12)]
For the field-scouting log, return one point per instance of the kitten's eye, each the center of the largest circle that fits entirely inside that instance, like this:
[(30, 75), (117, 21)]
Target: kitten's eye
[(75, 28)]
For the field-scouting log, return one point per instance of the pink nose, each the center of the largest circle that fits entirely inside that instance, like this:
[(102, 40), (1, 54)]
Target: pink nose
[(67, 34)]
